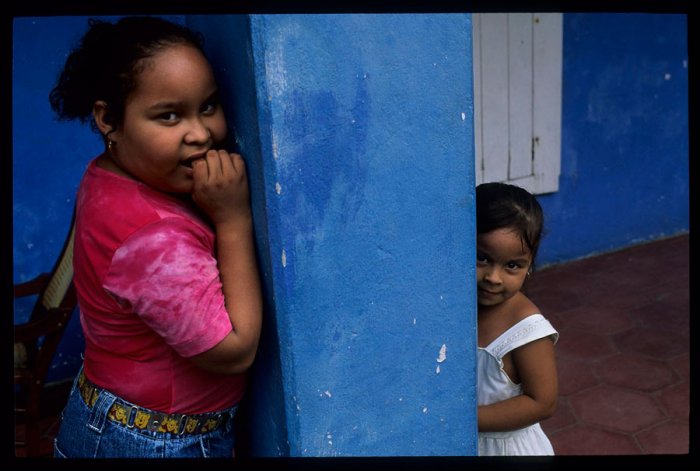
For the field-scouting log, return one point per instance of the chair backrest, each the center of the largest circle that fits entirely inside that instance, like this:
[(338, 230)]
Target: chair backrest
[(36, 342), (62, 275), (54, 306)]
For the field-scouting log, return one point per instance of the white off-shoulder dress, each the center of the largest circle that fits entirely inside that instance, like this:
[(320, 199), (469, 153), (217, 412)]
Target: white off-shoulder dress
[(494, 385)]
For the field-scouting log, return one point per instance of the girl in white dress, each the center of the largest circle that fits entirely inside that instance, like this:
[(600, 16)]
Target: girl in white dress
[(517, 376)]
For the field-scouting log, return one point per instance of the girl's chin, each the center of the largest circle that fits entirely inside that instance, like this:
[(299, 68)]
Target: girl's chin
[(488, 301)]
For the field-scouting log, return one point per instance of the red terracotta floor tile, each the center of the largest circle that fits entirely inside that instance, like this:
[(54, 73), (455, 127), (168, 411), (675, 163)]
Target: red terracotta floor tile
[(676, 400), (636, 372), (562, 417), (603, 320), (652, 343), (620, 277), (675, 294), (585, 440), (566, 278), (574, 375), (586, 346), (667, 438), (616, 408), (607, 296), (681, 365), (660, 315)]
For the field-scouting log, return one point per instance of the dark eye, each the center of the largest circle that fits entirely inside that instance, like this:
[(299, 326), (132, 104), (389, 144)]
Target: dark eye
[(210, 108), (169, 117), (481, 258), (513, 266)]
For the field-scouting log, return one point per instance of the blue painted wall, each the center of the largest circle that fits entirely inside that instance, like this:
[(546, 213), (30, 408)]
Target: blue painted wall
[(48, 161), (624, 171), (369, 188)]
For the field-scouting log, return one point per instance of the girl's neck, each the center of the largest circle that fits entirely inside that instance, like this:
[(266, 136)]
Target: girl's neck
[(106, 162)]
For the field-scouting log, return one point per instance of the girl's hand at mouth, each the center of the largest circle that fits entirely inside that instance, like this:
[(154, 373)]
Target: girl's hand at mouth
[(221, 187)]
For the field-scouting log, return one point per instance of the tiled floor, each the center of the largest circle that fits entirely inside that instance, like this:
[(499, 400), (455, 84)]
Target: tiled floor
[(623, 354)]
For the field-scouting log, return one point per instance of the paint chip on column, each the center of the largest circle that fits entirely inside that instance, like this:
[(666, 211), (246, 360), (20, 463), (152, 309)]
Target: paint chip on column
[(442, 356), (464, 116), (278, 188), (284, 258)]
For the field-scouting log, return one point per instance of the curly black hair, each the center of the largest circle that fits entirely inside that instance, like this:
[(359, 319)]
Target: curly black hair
[(105, 65)]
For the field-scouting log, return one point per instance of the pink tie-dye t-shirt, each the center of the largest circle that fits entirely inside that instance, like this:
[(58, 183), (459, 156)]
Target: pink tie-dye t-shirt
[(150, 296)]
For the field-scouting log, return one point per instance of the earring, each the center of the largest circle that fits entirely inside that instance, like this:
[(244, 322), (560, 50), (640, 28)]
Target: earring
[(110, 144)]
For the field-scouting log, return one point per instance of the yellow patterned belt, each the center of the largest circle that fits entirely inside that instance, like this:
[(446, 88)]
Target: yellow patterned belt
[(132, 416)]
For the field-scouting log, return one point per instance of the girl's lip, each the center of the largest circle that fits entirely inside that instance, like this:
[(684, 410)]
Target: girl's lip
[(487, 292)]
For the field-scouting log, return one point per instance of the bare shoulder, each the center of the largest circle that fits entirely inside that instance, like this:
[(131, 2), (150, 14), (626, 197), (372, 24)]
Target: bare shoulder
[(521, 308)]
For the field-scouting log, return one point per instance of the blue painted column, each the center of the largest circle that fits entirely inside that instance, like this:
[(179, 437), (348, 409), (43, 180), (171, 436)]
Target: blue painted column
[(359, 139)]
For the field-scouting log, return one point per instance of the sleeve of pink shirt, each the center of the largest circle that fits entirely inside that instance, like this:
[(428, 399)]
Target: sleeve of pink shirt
[(167, 274)]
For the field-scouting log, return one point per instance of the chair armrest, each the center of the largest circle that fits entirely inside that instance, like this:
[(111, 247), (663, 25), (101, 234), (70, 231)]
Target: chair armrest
[(33, 286)]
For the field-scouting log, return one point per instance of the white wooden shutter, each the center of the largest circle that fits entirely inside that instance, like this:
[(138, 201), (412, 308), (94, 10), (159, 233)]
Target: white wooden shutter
[(517, 98)]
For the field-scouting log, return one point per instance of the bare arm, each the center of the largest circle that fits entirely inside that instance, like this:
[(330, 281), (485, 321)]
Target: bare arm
[(536, 366), (221, 190)]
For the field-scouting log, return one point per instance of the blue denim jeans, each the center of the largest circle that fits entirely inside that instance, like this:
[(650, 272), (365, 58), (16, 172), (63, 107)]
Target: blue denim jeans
[(88, 433)]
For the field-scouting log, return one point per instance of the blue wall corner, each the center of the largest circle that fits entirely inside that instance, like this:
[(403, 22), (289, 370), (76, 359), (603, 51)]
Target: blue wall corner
[(262, 416)]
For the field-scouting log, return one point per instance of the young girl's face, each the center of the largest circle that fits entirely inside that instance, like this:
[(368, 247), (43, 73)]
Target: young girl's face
[(171, 118), (502, 263)]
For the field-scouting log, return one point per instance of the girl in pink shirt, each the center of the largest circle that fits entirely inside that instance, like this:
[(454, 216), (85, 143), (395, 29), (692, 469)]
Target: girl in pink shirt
[(165, 268)]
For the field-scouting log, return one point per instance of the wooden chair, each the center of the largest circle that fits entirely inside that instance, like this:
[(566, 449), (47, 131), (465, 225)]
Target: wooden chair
[(37, 403)]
